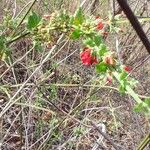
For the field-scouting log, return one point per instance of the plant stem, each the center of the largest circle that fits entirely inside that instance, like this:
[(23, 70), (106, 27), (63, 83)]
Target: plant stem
[(17, 38), (26, 13), (32, 4), (145, 141), (130, 91), (127, 21)]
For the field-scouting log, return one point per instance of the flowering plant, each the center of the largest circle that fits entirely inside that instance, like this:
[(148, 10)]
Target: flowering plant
[(87, 58), (44, 32)]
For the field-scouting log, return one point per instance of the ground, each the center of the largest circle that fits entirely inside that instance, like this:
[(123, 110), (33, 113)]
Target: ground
[(56, 107)]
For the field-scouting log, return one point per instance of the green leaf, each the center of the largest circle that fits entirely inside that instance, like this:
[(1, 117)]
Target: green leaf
[(141, 107), (122, 89), (97, 40), (37, 46), (2, 42), (123, 75), (89, 42), (76, 34), (33, 21), (147, 101), (117, 17), (4, 51), (102, 67), (138, 107), (123, 82), (79, 17), (71, 20), (102, 49)]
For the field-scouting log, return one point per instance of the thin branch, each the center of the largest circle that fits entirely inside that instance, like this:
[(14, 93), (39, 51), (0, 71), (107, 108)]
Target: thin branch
[(135, 23), (12, 101), (34, 1), (144, 143), (105, 136)]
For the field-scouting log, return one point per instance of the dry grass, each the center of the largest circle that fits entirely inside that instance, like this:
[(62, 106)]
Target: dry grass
[(54, 109)]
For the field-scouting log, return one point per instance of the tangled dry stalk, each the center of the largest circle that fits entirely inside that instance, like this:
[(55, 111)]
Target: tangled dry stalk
[(50, 101)]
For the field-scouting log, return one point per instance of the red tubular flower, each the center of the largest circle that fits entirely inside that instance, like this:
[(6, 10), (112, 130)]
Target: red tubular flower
[(127, 68), (100, 25), (87, 58), (97, 17)]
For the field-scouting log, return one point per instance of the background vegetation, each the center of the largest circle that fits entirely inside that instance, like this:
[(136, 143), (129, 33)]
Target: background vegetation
[(54, 109)]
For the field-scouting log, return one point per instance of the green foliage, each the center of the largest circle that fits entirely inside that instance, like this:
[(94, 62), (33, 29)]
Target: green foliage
[(76, 34), (78, 27), (125, 83), (94, 41), (4, 50), (122, 88), (141, 107), (78, 131), (2, 42), (101, 67), (33, 21), (79, 17), (37, 46), (89, 42), (52, 92), (56, 135), (97, 39), (102, 49), (123, 75), (147, 101), (138, 108)]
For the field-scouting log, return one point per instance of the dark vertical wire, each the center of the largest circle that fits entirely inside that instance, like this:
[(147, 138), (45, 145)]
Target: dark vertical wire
[(135, 23)]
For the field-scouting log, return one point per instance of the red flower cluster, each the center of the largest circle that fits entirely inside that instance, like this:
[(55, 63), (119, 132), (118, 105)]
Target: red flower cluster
[(87, 58), (100, 24), (127, 68), (97, 17)]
